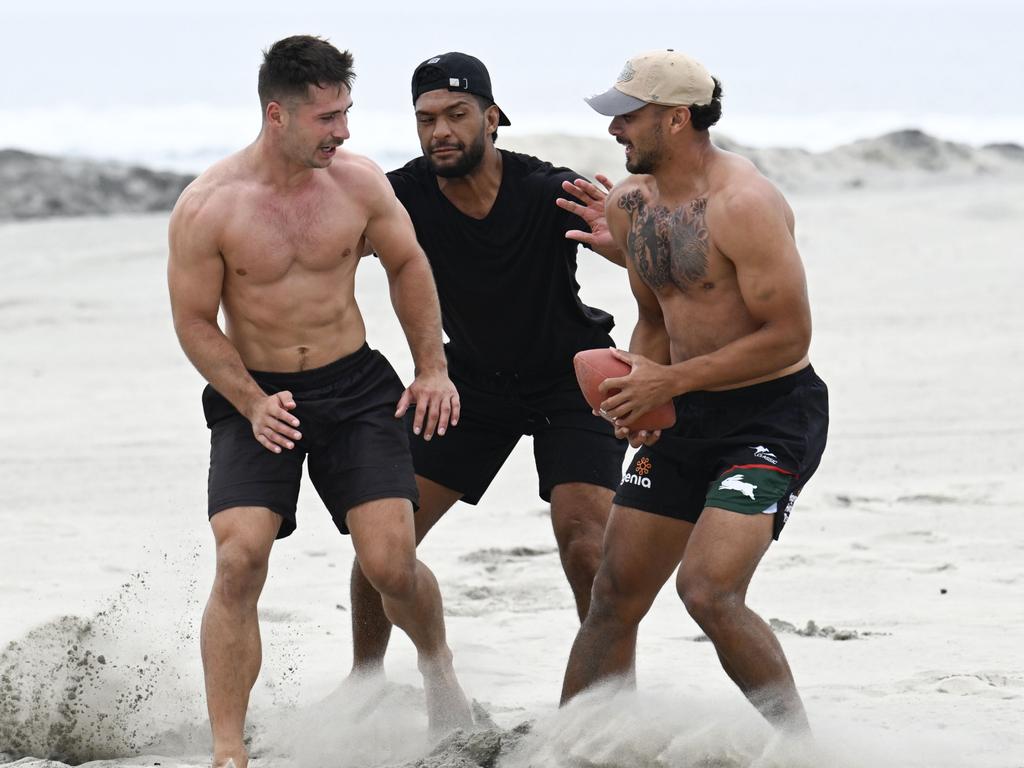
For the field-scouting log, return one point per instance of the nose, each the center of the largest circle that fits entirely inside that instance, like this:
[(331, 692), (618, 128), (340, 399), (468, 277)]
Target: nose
[(441, 128), (341, 131), (615, 126)]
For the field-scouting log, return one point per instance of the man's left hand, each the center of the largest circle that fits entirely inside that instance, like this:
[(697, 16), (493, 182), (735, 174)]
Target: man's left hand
[(436, 400)]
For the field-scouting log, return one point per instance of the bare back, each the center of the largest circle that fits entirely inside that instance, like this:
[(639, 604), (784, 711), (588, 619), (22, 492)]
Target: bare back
[(714, 265)]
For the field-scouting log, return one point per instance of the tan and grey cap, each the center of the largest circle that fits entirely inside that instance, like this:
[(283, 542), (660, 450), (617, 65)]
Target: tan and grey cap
[(658, 77)]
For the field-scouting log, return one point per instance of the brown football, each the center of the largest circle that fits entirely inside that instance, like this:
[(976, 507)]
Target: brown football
[(593, 366)]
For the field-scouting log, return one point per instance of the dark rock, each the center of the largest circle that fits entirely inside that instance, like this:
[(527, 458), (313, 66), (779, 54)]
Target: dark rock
[(39, 186)]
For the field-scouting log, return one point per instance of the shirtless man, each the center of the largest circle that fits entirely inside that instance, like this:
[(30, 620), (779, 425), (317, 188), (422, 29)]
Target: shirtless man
[(502, 243), (724, 328), (259, 235)]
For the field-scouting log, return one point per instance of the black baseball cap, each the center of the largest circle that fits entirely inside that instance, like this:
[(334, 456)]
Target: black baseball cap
[(455, 72)]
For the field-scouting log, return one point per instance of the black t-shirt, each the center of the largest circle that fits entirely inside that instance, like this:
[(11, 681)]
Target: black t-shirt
[(507, 283)]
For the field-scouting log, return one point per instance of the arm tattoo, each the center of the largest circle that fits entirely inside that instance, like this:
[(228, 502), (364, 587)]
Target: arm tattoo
[(667, 246)]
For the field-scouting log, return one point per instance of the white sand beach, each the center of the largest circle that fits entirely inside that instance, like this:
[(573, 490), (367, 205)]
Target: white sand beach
[(896, 587)]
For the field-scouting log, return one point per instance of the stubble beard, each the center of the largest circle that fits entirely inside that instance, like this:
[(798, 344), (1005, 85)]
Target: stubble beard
[(471, 157)]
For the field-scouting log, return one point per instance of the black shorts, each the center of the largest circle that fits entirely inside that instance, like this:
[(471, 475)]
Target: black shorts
[(748, 450), (358, 451), (570, 444)]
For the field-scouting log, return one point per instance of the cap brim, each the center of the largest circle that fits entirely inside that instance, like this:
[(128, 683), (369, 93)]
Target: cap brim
[(614, 102), (502, 119)]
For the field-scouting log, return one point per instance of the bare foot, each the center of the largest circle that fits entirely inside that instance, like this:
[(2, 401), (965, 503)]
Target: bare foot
[(230, 764), (447, 706)]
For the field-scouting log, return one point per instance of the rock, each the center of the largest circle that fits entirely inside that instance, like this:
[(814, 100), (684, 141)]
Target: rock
[(38, 186)]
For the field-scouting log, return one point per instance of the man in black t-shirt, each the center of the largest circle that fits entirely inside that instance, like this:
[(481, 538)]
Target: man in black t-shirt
[(504, 260)]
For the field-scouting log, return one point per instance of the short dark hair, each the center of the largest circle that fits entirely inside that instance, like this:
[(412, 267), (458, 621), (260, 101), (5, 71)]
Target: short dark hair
[(293, 64), (704, 116)]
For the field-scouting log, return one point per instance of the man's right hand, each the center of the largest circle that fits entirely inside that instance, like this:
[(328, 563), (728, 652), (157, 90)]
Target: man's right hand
[(272, 424)]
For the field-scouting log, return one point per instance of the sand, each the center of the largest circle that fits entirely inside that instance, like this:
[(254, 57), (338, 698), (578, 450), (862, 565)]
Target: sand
[(896, 588)]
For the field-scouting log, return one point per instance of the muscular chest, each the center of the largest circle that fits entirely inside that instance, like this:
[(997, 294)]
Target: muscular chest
[(270, 238), (670, 247)]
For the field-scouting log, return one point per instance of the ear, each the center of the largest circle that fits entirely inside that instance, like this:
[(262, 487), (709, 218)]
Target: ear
[(680, 119), (491, 118), (276, 114)]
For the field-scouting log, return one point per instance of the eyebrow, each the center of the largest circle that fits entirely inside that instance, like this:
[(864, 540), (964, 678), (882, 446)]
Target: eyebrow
[(334, 112), (453, 105)]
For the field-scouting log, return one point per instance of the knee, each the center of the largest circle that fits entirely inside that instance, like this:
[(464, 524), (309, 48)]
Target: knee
[(613, 604), (241, 571), (394, 578), (581, 554), (707, 603)]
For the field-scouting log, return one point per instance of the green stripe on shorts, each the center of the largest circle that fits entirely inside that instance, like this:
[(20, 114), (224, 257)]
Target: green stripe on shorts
[(749, 490)]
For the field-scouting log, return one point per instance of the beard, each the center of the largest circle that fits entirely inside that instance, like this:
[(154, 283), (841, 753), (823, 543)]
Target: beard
[(647, 161), (644, 163), (463, 164)]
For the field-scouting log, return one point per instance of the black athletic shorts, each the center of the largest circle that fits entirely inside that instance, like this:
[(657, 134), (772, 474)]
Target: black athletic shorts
[(358, 451), (748, 450), (570, 444)]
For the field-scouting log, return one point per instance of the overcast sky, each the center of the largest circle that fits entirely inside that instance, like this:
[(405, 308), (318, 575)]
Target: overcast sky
[(787, 60)]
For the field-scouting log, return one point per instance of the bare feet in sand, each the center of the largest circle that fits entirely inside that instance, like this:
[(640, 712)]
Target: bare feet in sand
[(447, 706)]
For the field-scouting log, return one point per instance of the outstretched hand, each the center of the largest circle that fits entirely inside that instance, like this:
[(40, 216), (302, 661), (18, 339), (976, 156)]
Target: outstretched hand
[(589, 206), (437, 404), (273, 425)]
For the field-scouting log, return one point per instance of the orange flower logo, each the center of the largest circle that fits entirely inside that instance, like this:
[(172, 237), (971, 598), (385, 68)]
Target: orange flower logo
[(643, 465)]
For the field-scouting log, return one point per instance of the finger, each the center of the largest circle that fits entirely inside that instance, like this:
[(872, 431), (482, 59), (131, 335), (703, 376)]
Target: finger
[(605, 181), (267, 444), (621, 354), (274, 436), (444, 414), (580, 236), (403, 403), (615, 382), (285, 403), (421, 414), (283, 428), (588, 188), (456, 409), (432, 413)]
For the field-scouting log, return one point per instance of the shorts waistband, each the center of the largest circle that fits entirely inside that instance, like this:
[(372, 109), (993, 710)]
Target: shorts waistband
[(315, 377), (765, 390)]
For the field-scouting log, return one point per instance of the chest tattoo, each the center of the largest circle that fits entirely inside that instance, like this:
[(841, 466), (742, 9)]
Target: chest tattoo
[(667, 246)]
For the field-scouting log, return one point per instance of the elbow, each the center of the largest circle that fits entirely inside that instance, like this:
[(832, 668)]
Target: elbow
[(798, 342)]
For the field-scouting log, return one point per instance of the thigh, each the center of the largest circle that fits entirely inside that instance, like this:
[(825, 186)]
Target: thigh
[(725, 549), (579, 510), (570, 443), (366, 459), (382, 530), (245, 534), (435, 501), (641, 550), (468, 456), (245, 474)]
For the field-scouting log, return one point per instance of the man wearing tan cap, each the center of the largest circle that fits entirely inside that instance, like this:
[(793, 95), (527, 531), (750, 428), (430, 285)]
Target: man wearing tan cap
[(724, 328)]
